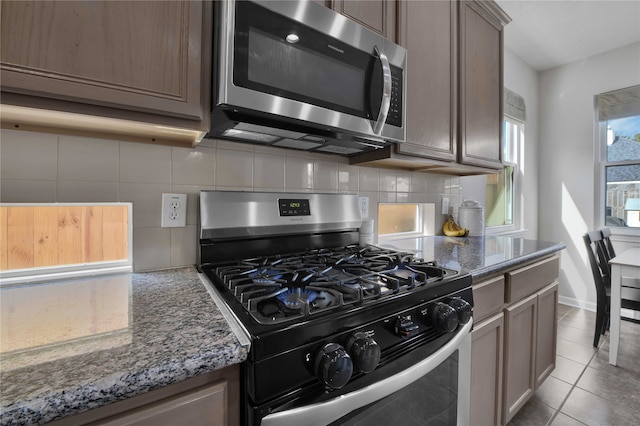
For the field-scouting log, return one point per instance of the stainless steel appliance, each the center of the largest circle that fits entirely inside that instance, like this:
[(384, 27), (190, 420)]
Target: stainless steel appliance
[(340, 333), (295, 74)]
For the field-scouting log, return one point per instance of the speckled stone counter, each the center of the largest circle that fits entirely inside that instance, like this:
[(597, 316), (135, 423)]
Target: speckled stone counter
[(106, 339), (481, 256)]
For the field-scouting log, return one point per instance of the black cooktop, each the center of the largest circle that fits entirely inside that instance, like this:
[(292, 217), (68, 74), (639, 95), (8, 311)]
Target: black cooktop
[(299, 286)]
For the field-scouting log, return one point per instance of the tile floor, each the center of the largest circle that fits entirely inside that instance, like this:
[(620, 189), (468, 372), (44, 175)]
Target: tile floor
[(584, 389)]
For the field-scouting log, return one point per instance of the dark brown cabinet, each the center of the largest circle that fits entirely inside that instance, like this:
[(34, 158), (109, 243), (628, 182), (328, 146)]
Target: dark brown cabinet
[(144, 57), (513, 347), (377, 15), (212, 399), (481, 80), (454, 88), (426, 31)]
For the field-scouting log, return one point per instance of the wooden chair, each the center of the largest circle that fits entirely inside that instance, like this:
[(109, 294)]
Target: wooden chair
[(599, 257)]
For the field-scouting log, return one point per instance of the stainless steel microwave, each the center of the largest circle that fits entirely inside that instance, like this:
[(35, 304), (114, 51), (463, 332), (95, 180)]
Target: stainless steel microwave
[(295, 74)]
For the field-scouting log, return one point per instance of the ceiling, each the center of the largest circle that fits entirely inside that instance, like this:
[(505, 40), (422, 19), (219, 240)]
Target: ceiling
[(550, 33)]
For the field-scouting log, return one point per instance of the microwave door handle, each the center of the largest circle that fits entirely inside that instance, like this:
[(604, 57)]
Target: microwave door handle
[(386, 91)]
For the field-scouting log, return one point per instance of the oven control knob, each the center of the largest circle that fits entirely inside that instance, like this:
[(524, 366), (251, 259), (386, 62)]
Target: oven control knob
[(463, 309), (364, 352), (405, 327), (443, 317), (333, 366)]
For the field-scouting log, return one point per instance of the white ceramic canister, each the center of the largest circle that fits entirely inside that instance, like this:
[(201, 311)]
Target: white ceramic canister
[(471, 216), (366, 232)]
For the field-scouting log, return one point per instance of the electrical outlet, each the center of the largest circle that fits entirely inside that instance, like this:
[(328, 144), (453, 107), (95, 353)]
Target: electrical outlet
[(364, 206), (174, 210)]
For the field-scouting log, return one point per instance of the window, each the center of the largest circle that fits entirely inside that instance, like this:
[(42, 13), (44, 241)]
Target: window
[(502, 189), (618, 158), (403, 220), (500, 195)]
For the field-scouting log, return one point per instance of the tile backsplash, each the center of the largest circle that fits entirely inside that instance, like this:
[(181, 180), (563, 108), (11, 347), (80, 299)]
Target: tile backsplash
[(37, 167)]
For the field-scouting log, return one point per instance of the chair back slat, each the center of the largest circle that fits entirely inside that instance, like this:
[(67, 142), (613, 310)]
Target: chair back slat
[(606, 237), (599, 276)]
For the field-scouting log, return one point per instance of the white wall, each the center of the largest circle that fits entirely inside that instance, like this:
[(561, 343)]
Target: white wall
[(522, 79), (566, 180)]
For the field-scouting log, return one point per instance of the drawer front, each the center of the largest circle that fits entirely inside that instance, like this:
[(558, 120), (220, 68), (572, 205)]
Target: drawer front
[(488, 298), (532, 278)]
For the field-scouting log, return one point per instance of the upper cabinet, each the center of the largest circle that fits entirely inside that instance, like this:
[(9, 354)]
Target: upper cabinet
[(137, 60), (426, 31), (454, 89), (481, 81), (377, 15)]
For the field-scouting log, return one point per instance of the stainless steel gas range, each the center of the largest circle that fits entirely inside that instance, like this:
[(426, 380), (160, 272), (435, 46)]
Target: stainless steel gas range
[(340, 333)]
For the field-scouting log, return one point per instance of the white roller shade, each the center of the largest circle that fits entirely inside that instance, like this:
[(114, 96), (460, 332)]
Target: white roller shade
[(514, 106)]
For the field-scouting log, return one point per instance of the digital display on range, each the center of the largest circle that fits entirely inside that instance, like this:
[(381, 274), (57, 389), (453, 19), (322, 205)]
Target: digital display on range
[(297, 207)]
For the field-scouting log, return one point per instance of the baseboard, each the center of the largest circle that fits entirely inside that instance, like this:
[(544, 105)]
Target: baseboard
[(591, 306)]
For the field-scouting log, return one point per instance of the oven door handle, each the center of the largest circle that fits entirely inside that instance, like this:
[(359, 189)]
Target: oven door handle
[(332, 410)]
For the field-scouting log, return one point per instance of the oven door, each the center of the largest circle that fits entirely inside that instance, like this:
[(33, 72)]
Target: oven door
[(433, 390)]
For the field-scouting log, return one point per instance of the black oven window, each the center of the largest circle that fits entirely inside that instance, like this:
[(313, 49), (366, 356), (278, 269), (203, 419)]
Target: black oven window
[(431, 400)]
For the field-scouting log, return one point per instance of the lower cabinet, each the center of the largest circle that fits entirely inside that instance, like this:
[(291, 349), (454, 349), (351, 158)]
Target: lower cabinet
[(514, 339), (212, 399), (486, 371)]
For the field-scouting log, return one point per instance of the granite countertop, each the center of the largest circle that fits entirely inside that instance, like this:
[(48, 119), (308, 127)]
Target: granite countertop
[(71, 346), (481, 256)]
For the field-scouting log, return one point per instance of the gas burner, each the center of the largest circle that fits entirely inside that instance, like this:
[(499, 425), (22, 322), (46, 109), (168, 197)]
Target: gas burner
[(295, 298), (298, 285)]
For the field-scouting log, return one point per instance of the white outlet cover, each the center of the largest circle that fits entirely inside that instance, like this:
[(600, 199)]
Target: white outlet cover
[(364, 206), (174, 210)]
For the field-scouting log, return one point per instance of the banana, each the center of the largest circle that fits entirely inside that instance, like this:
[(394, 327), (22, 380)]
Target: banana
[(452, 229)]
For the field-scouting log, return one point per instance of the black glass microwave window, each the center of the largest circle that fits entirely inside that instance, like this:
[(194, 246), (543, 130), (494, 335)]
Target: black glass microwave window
[(316, 69)]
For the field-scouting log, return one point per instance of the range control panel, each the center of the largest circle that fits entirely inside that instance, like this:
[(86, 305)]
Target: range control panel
[(294, 207)]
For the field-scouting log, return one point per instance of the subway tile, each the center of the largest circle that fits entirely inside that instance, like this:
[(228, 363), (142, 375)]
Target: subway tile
[(28, 155), (387, 197), (234, 168), (193, 166), (435, 183), (268, 170), (348, 179), (388, 180), (69, 191), (402, 197), (298, 173), (145, 163), (151, 248), (183, 246), (369, 179), (325, 176), (273, 150), (27, 191), (147, 202), (403, 181), (88, 159), (208, 143), (418, 182)]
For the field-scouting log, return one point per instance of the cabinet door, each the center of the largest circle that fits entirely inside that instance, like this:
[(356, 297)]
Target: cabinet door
[(486, 371), (547, 332), (135, 55), (481, 76), (426, 30), (202, 407), (377, 15), (519, 356)]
